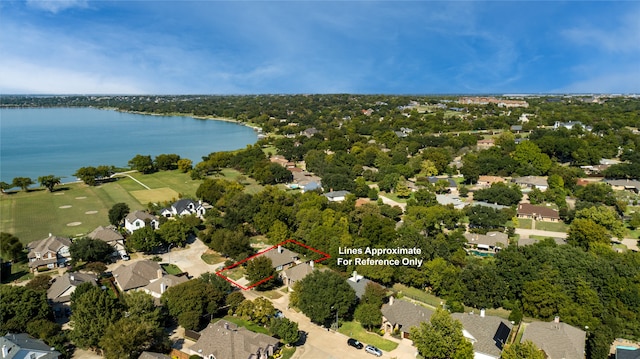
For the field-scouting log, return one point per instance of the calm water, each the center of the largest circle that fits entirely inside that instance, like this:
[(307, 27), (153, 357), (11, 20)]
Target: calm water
[(58, 141)]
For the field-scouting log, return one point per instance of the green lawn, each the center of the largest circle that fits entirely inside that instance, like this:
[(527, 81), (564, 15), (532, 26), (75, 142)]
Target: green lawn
[(552, 226), (76, 209), (356, 331), (247, 324), (212, 257), (524, 223), (235, 273), (417, 294), (287, 353), (394, 197), (171, 268)]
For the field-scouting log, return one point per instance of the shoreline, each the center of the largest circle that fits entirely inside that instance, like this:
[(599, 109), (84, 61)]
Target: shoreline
[(179, 114)]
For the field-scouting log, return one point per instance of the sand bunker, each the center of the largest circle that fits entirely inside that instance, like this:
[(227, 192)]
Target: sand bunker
[(73, 224), (65, 206), (90, 212), (83, 197), (58, 193)]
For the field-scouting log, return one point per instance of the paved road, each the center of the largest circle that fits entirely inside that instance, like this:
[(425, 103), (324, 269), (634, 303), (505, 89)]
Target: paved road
[(323, 344), (392, 203)]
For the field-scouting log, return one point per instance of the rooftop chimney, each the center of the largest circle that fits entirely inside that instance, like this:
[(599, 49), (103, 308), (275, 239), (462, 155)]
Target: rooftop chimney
[(312, 264), (72, 278), (482, 313), (5, 352), (163, 287), (279, 249), (391, 300), (159, 273)]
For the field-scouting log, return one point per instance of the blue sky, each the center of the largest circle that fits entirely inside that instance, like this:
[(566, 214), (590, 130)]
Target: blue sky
[(297, 46)]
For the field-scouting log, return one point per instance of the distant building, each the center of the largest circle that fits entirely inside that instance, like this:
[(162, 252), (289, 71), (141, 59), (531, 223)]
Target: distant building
[(184, 207), (485, 144), (538, 213), (491, 242), (139, 219), (336, 196), (539, 182)]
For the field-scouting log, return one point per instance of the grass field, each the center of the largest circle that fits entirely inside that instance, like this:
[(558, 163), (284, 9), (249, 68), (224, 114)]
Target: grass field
[(417, 294), (76, 209), (212, 257), (356, 331), (171, 268), (247, 324), (552, 226)]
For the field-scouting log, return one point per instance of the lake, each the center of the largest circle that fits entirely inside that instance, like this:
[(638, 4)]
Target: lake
[(42, 141)]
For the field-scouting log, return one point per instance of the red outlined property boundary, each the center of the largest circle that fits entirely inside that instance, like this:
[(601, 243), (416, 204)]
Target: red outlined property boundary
[(221, 275)]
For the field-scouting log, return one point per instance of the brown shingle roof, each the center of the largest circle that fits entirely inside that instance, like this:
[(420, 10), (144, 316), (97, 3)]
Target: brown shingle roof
[(105, 234), (62, 287), (281, 256), (537, 211), (138, 274), (51, 243), (227, 340), (558, 340), (298, 272), (405, 314)]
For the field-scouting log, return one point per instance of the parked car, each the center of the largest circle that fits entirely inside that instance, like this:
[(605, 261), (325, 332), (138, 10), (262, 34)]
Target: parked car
[(373, 350), (354, 343)]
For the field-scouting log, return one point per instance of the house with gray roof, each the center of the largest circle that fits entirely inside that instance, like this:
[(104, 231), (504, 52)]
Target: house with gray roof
[(152, 355), (111, 236), (624, 184), (296, 273), (137, 275), (487, 333), (139, 219), (492, 241), (359, 283), (539, 182), (225, 340), (158, 286), (23, 346), (336, 196), (557, 340), (399, 315), (62, 287), (281, 258), (51, 252), (184, 207)]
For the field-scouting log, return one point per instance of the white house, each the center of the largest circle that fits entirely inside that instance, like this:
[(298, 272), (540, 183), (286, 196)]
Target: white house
[(184, 207), (139, 219)]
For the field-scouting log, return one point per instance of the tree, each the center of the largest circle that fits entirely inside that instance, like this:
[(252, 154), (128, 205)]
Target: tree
[(90, 250), (4, 186), (93, 312), (604, 216), (117, 213), (185, 165), (141, 307), (49, 182), (22, 182), (176, 232), (11, 247), (129, 337), (499, 193), (441, 338), (523, 350), (368, 314), (259, 269), (40, 283), (166, 162), (323, 293), (87, 175), (19, 306), (585, 233), (285, 329), (144, 239), (233, 300), (259, 310), (188, 302), (531, 160), (142, 164)]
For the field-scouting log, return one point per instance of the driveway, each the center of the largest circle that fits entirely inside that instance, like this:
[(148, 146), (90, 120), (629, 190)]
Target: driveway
[(631, 243), (323, 344)]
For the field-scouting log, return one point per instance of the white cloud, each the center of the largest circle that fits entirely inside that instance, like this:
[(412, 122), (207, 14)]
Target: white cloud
[(624, 38), (20, 76), (55, 6)]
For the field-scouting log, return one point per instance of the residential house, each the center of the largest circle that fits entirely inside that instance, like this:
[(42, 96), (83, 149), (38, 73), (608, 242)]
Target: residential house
[(488, 334), (309, 132), (279, 159), (111, 236), (538, 213), (449, 199), (23, 346), (624, 184), (401, 316), (539, 182), (492, 241), (557, 340), (310, 186), (51, 252), (516, 128), (487, 181), (359, 284), (450, 182), (569, 125), (59, 294), (485, 144), (139, 219), (336, 196), (152, 355), (137, 275), (490, 205), (281, 258), (225, 340), (296, 273), (184, 207), (158, 286)]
